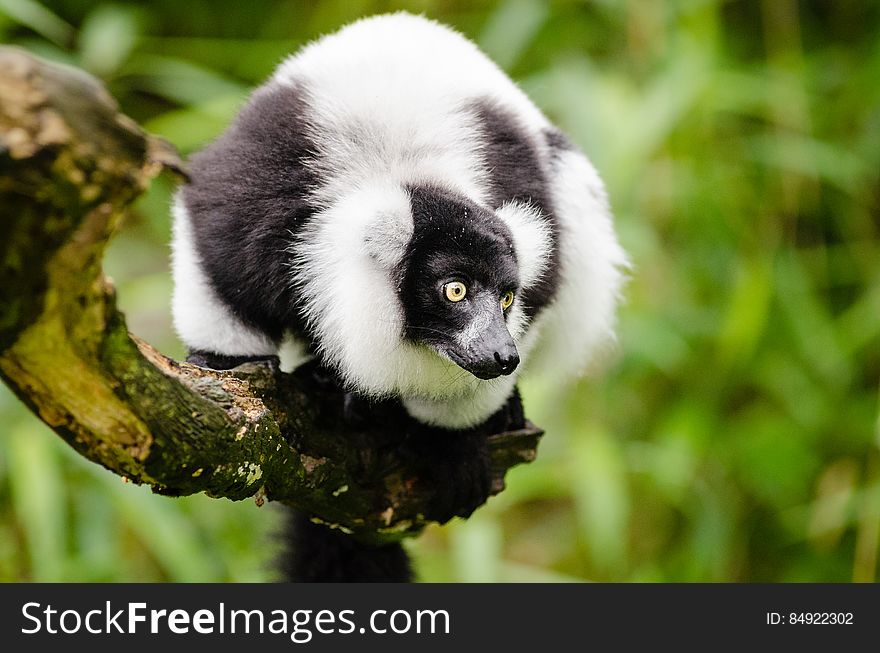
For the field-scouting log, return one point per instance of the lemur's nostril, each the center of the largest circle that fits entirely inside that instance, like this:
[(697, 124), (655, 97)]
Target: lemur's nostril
[(508, 362)]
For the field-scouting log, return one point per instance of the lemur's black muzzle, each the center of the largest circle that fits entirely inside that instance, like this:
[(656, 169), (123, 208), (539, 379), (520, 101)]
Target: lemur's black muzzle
[(490, 352), (504, 360)]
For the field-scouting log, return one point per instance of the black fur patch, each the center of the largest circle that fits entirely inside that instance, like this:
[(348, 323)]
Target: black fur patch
[(247, 196), (517, 174), (453, 238)]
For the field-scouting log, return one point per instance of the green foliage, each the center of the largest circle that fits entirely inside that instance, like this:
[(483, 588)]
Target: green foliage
[(735, 434)]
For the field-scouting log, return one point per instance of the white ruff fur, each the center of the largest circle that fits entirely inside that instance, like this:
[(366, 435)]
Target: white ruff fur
[(384, 97)]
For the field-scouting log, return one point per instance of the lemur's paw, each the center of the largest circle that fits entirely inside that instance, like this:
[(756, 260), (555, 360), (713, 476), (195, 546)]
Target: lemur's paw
[(460, 474), (214, 361)]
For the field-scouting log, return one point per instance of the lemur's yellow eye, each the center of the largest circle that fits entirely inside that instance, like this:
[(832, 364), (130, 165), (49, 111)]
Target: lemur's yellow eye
[(455, 291), (506, 300)]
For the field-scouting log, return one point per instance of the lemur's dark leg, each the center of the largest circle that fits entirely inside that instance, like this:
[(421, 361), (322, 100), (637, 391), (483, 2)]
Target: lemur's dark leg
[(317, 553), (457, 463)]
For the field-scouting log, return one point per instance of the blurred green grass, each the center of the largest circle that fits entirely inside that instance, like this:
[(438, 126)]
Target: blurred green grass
[(735, 435)]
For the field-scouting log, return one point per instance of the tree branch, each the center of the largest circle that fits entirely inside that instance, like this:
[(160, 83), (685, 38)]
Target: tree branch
[(69, 164)]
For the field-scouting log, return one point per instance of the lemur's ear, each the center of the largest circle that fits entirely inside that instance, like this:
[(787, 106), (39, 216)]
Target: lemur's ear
[(387, 235), (531, 239)]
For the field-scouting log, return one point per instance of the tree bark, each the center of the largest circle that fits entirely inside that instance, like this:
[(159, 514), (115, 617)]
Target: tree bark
[(69, 165)]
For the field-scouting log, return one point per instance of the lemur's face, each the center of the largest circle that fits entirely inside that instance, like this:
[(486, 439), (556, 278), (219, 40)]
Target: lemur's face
[(460, 282)]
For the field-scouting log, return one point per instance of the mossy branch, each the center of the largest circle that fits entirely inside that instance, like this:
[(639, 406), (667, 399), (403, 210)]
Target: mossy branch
[(69, 165)]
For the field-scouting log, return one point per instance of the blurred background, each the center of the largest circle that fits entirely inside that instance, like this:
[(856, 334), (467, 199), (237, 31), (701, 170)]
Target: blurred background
[(734, 436)]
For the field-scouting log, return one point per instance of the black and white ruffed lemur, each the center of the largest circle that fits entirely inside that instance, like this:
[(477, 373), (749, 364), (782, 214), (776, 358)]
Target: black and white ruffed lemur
[(392, 205)]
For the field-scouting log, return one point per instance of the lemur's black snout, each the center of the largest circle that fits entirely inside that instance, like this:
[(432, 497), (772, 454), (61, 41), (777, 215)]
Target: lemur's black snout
[(498, 360), (507, 360)]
